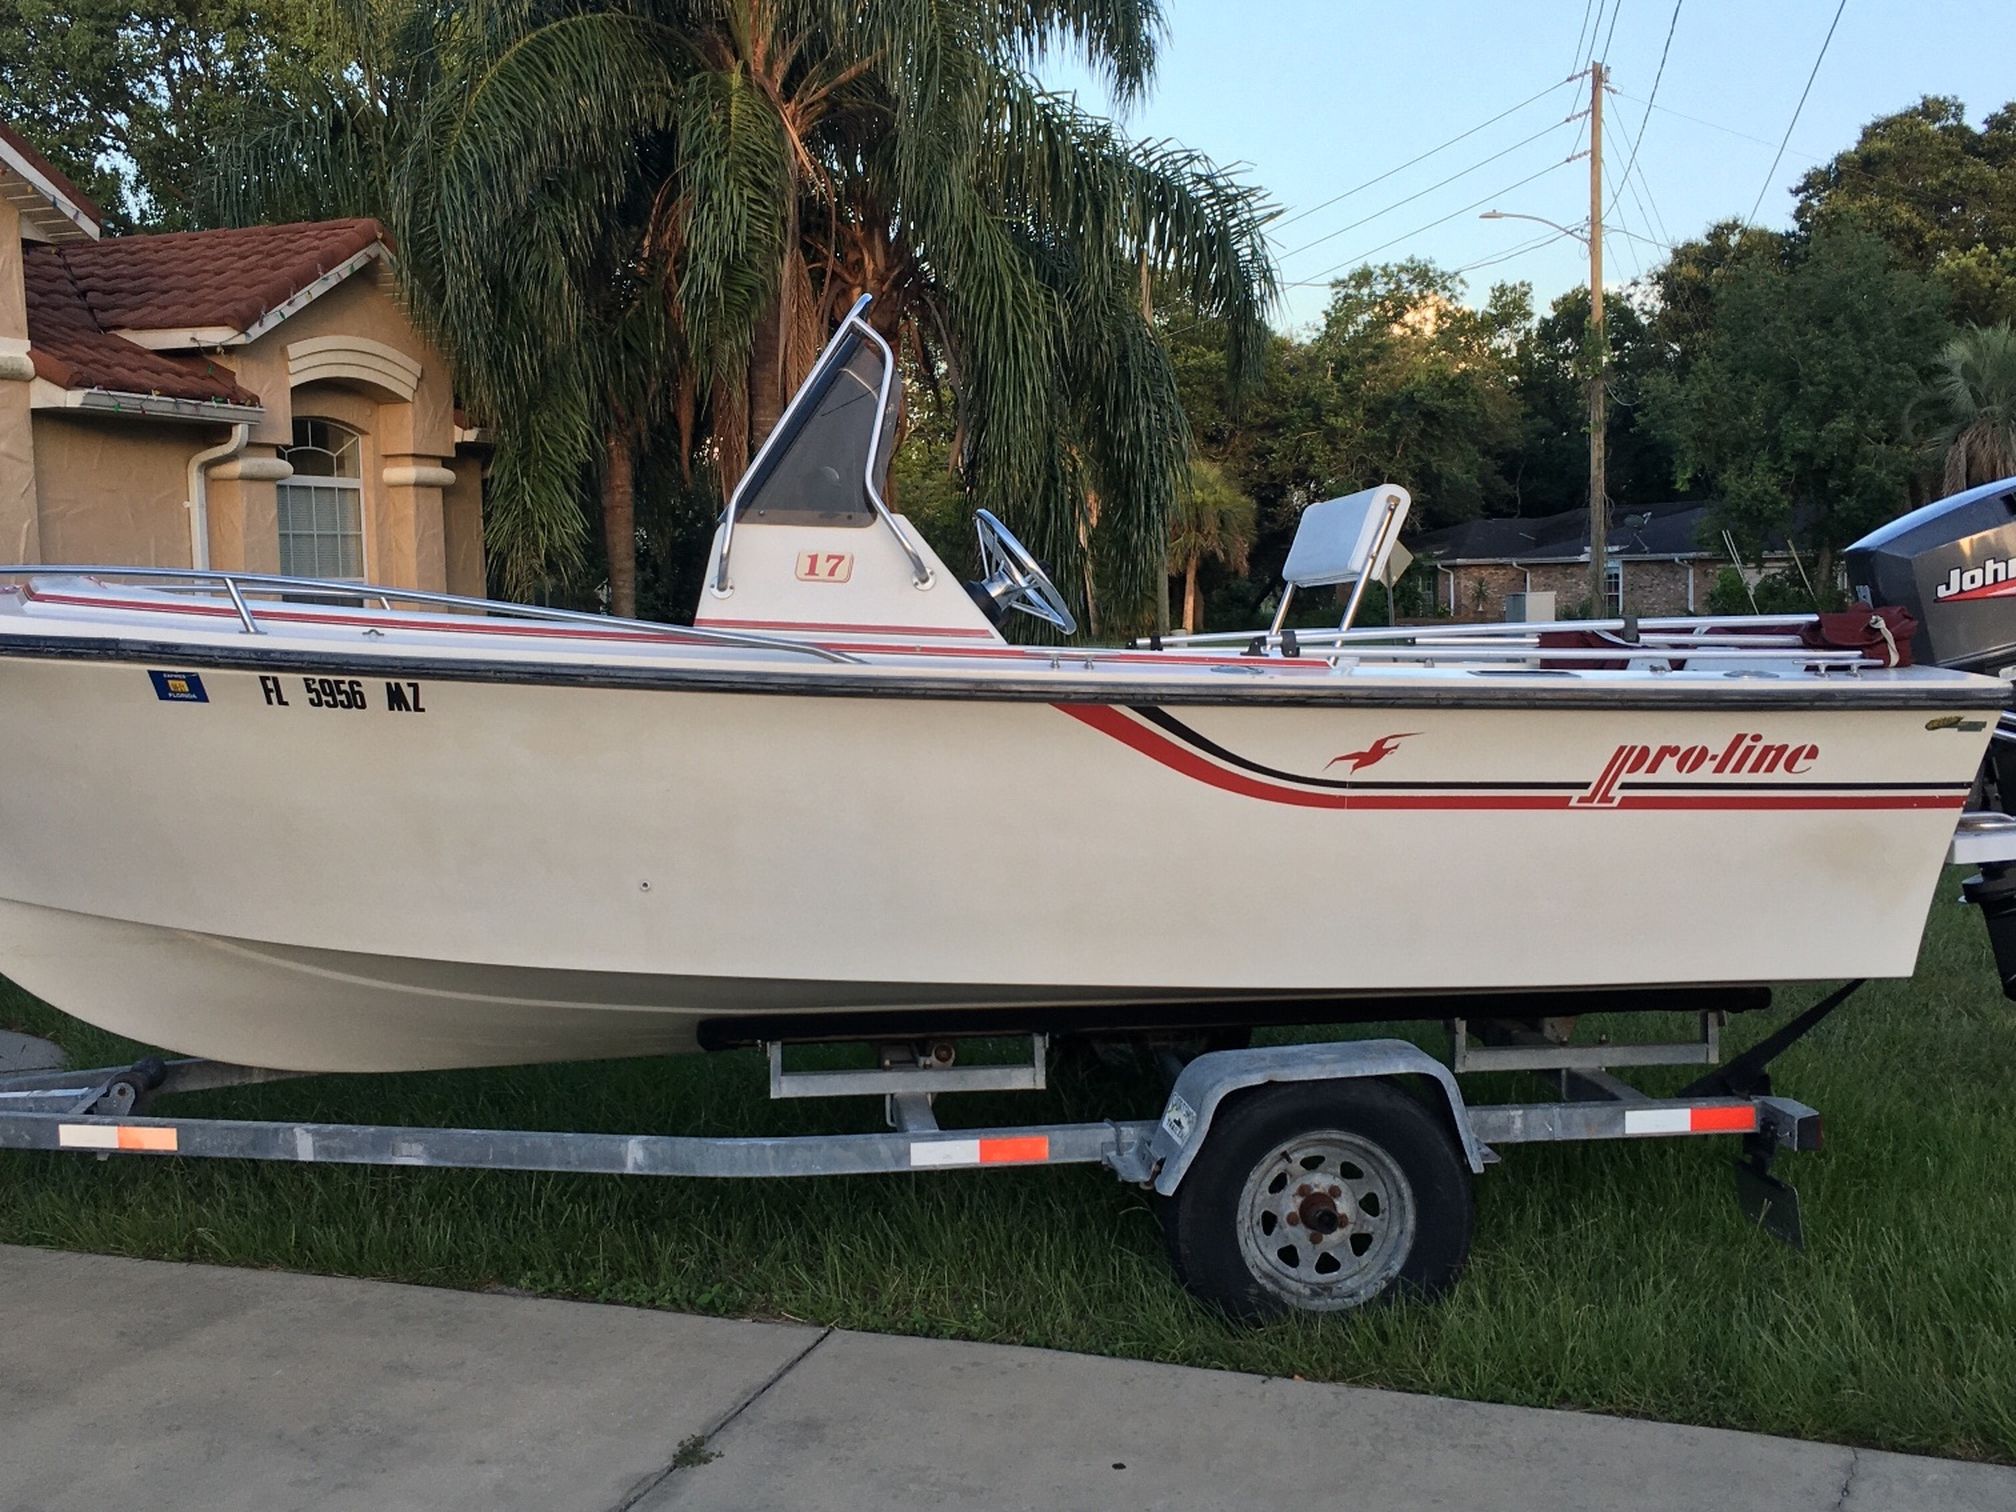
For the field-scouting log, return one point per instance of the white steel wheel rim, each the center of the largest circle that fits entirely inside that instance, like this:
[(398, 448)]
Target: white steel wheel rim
[(1327, 1220)]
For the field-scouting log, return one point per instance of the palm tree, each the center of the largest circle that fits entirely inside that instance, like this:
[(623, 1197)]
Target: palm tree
[(613, 214), (1213, 522), (1973, 396)]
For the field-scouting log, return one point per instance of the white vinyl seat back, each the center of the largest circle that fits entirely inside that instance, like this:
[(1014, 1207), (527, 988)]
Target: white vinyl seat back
[(1343, 540)]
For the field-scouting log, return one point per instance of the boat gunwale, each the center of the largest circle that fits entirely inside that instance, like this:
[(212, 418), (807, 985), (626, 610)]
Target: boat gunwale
[(1865, 690)]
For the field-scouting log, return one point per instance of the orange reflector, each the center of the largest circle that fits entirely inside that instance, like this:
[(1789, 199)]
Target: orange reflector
[(1737, 1120), (1018, 1150), (132, 1137)]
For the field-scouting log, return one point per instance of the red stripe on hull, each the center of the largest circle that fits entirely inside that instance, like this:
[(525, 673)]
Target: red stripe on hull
[(1115, 722)]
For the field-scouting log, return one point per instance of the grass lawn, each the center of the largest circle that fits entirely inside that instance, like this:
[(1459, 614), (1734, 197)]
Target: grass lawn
[(1619, 1278)]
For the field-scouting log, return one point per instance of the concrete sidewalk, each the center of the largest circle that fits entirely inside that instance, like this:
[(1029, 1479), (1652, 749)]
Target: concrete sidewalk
[(125, 1382)]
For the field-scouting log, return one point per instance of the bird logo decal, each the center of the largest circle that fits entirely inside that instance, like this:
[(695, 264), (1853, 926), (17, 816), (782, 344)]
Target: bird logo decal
[(1373, 754)]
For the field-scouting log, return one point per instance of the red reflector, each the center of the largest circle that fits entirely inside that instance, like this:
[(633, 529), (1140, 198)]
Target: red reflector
[(1737, 1120), (1014, 1151)]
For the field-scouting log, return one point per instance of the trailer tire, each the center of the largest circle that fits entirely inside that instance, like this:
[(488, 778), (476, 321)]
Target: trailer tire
[(1255, 1229)]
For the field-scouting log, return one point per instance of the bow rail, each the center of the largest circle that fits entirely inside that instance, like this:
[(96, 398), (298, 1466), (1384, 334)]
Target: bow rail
[(244, 589)]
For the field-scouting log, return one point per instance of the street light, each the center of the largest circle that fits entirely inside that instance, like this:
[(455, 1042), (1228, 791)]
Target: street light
[(1581, 236)]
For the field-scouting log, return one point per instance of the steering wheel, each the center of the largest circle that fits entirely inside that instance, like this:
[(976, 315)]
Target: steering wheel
[(1010, 578)]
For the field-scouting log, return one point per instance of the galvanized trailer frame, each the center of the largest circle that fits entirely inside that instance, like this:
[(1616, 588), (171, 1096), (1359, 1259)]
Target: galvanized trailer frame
[(111, 1111)]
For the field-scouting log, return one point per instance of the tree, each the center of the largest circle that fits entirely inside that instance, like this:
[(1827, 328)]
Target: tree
[(1214, 522), (1549, 465), (1794, 409), (128, 97), (1940, 193), (753, 168), (1426, 386), (1684, 287), (1404, 383), (1973, 396)]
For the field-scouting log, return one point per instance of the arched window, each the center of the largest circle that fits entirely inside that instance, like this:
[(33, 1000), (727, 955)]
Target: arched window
[(322, 505)]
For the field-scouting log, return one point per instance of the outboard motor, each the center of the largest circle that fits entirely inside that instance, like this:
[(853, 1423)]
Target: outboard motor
[(1953, 565)]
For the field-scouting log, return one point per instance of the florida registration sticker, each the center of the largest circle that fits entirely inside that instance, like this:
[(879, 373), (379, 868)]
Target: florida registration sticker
[(178, 687)]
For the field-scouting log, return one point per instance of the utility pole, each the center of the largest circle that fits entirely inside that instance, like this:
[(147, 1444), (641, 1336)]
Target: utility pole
[(1599, 533)]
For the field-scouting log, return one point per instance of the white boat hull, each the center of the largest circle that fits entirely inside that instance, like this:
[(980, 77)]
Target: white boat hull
[(513, 869)]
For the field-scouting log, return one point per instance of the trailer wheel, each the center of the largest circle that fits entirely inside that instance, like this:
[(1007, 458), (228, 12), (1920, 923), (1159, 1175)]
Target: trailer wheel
[(1320, 1197)]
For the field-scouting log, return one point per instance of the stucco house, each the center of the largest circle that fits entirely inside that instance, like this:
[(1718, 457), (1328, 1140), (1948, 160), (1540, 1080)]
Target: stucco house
[(1663, 559), (253, 399)]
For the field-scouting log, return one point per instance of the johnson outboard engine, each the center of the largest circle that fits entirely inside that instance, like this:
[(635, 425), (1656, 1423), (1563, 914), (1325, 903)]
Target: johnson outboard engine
[(1953, 565)]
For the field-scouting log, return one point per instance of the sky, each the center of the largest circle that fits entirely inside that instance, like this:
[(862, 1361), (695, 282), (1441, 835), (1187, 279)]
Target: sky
[(1315, 97)]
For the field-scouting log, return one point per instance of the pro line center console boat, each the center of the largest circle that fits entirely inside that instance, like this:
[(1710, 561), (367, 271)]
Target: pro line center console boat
[(323, 827), (308, 826)]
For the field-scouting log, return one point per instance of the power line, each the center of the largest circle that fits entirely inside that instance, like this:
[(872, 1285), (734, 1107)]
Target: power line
[(1614, 14), (1713, 125), (1590, 56), (1316, 279), (1773, 171), (1918, 193), (1336, 198), (1545, 239), (1631, 161), (1480, 163), (1637, 262), (1587, 6), (1641, 182), (1658, 220)]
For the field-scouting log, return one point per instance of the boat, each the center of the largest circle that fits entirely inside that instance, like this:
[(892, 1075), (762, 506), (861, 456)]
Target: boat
[(321, 826)]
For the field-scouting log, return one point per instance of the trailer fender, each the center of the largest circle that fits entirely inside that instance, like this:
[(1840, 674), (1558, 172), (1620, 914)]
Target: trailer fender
[(1209, 1079)]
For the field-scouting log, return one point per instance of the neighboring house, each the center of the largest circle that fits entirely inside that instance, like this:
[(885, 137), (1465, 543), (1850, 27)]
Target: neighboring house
[(1663, 559), (254, 399)]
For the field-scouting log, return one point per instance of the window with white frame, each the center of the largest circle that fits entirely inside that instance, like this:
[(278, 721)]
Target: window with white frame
[(1613, 589), (322, 505)]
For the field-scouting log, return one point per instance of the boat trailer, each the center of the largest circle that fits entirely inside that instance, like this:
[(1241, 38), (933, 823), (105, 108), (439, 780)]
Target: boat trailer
[(1313, 1176)]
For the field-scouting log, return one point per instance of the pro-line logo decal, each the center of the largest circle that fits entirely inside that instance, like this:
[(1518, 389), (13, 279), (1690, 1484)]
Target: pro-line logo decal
[(1744, 755), (1743, 771), (1994, 578)]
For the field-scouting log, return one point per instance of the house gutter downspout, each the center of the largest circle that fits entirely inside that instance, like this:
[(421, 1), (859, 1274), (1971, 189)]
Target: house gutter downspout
[(199, 492)]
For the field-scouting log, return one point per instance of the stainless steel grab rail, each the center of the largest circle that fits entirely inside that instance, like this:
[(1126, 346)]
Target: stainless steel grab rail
[(235, 586)]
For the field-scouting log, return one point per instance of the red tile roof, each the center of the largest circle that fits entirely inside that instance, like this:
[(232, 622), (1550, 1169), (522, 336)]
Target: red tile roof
[(209, 278), (71, 350), (48, 170), (79, 293)]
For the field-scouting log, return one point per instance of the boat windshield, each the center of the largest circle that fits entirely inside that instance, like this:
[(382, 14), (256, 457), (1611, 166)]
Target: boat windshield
[(814, 470)]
